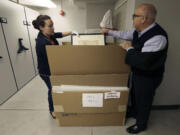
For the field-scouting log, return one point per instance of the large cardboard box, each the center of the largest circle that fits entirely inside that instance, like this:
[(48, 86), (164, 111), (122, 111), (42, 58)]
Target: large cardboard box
[(89, 66)]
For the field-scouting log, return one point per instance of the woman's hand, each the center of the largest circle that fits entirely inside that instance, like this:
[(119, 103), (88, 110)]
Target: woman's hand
[(66, 33)]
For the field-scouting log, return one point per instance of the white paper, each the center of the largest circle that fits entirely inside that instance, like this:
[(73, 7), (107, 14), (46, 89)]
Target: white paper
[(61, 88), (91, 88), (75, 32), (92, 99), (88, 40), (110, 95), (107, 20)]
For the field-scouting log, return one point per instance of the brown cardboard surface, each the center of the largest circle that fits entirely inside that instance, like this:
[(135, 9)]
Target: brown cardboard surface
[(80, 60), (104, 119), (71, 102), (91, 80), (66, 43), (89, 66)]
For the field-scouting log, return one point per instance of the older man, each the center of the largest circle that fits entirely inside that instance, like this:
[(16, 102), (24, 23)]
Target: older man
[(146, 54)]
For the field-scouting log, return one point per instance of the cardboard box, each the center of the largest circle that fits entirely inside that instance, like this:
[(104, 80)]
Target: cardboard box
[(88, 66), (92, 119), (66, 43), (85, 60)]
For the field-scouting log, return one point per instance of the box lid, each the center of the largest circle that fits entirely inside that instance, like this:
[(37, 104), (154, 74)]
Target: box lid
[(81, 60)]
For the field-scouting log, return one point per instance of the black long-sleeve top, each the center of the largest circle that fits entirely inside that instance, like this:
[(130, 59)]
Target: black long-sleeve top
[(41, 42)]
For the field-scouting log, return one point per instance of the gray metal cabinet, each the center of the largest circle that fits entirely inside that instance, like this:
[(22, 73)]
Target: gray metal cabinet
[(30, 16), (15, 31), (7, 80)]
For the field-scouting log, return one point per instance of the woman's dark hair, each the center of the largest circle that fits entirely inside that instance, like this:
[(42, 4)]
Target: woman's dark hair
[(40, 21)]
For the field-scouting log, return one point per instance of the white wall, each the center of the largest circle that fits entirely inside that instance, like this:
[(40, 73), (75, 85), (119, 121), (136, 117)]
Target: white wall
[(122, 16), (80, 17), (168, 17), (130, 6), (95, 13), (74, 19)]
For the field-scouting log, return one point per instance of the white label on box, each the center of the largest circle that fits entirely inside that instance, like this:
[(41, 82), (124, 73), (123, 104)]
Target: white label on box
[(109, 95), (92, 99)]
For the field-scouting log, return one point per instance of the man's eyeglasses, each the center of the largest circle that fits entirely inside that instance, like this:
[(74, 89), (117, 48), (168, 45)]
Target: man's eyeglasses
[(134, 16)]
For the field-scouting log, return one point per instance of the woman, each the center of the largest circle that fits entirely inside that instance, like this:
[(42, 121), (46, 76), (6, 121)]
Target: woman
[(46, 36)]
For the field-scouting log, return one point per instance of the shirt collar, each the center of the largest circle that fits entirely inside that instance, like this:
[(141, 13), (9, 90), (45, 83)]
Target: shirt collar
[(145, 30)]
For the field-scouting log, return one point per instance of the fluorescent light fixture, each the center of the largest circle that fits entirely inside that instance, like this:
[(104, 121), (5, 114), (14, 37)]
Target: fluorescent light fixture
[(14, 0), (38, 3)]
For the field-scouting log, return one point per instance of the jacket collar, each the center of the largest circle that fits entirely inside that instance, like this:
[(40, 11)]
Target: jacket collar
[(42, 36)]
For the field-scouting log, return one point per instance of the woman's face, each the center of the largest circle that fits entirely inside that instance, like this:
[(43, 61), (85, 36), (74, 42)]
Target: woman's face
[(48, 29)]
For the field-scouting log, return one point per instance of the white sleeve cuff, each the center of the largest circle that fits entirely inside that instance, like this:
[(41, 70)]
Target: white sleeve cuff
[(130, 48)]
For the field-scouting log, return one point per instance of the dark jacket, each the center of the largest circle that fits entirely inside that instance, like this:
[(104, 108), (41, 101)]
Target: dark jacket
[(147, 63), (41, 42)]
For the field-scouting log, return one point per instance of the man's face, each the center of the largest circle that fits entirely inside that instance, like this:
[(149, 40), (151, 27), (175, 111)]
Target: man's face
[(138, 19)]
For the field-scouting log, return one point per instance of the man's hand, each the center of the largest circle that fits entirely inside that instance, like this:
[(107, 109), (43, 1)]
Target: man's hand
[(126, 45), (104, 30)]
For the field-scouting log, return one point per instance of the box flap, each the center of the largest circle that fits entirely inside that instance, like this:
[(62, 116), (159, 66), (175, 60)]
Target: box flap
[(80, 60), (71, 101), (91, 80), (95, 119)]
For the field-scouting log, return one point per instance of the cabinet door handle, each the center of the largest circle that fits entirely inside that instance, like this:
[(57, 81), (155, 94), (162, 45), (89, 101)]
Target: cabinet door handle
[(1, 57), (3, 20), (21, 46)]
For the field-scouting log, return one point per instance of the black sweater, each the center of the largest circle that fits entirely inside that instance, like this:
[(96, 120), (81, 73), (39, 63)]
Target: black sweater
[(147, 63), (41, 42)]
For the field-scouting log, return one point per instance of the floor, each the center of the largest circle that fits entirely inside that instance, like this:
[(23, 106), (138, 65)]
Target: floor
[(26, 113)]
